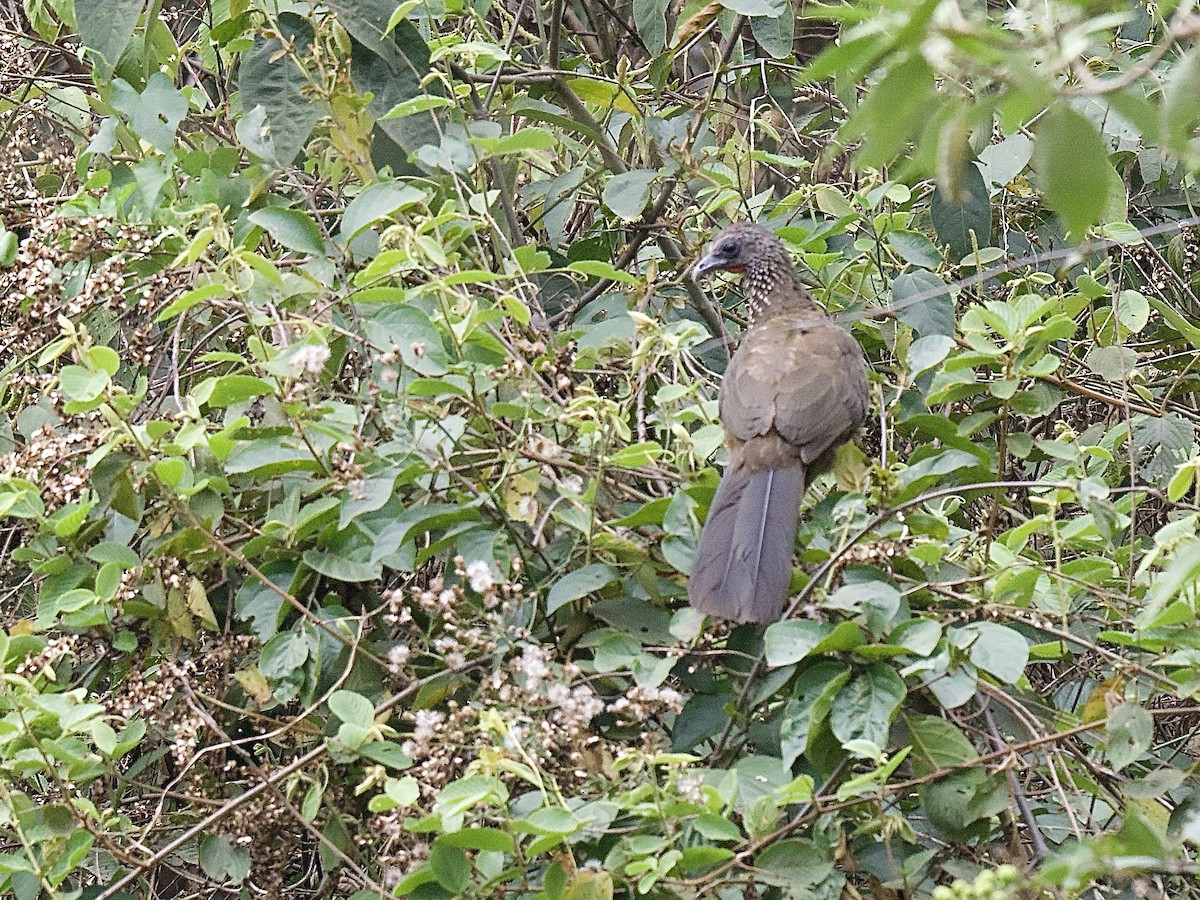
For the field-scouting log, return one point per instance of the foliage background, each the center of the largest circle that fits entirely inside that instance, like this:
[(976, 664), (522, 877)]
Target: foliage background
[(358, 419)]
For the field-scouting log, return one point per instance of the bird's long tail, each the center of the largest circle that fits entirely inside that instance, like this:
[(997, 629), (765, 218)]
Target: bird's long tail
[(744, 561)]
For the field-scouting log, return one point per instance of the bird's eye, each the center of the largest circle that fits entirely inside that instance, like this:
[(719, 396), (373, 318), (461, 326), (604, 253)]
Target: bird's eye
[(729, 248)]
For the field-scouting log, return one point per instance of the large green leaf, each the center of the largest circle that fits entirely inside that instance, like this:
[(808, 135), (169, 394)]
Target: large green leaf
[(964, 223), (628, 193), (922, 299), (892, 110), (106, 27), (864, 708), (391, 67), (277, 118), (1073, 170), (996, 649), (650, 18), (791, 640), (155, 112), (815, 690), (293, 228), (579, 584), (1180, 110)]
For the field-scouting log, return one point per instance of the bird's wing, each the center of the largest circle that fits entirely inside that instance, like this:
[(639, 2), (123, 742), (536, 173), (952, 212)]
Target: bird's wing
[(803, 377), (752, 381), (827, 399)]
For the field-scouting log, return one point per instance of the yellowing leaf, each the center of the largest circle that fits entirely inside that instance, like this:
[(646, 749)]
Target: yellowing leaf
[(520, 492), (603, 93)]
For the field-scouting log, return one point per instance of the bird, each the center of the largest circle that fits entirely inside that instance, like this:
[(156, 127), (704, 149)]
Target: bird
[(794, 391)]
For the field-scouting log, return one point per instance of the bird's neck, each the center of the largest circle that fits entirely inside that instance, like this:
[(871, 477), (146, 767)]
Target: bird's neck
[(775, 290)]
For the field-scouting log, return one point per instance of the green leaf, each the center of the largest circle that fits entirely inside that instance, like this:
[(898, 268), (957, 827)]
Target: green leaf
[(403, 791), (528, 138), (769, 8), (608, 95), (230, 389), (919, 636), (155, 113), (703, 717), (262, 603), (1130, 734), (9, 246), (292, 228), (864, 708), (650, 18), (1001, 163), (936, 466), (472, 838), (587, 884), (397, 324), (391, 67), (1180, 111), (386, 753), (922, 300), (352, 708), (598, 268), (278, 117), (891, 111), (804, 714), (377, 201), (104, 358), (953, 803), (1133, 310), (794, 864), (997, 649), (450, 867), (1073, 168), (549, 820), (416, 105), (878, 601), (221, 860), (1115, 364), (915, 248), (81, 384), (106, 27), (1181, 482), (937, 744), (283, 654), (926, 352), (627, 194), (192, 298), (774, 34), (956, 222), (343, 568), (717, 828), (791, 640), (579, 584)]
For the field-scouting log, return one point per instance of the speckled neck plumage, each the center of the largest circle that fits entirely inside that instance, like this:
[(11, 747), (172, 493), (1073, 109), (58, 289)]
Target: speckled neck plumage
[(772, 286)]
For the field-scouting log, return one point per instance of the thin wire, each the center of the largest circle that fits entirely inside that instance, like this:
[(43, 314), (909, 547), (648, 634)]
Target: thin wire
[(1033, 259)]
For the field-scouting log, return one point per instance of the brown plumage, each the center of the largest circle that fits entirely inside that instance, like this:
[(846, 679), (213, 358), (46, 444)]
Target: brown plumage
[(794, 391)]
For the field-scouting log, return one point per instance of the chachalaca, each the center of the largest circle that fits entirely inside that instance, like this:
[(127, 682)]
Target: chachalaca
[(795, 390)]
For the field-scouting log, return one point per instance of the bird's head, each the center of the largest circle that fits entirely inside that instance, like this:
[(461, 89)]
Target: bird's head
[(769, 279), (742, 246)]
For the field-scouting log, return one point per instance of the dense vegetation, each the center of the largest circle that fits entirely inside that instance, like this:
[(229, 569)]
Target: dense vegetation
[(357, 418)]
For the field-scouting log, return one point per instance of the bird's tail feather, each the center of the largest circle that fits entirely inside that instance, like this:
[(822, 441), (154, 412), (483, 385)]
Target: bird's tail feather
[(744, 560)]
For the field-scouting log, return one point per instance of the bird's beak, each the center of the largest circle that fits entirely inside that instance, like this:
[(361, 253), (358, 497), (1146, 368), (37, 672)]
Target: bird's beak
[(707, 263)]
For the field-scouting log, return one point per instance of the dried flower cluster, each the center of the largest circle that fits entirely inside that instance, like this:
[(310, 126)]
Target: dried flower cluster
[(554, 365), (139, 697), (43, 661), (34, 155), (70, 266), (532, 709), (348, 472), (54, 461)]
